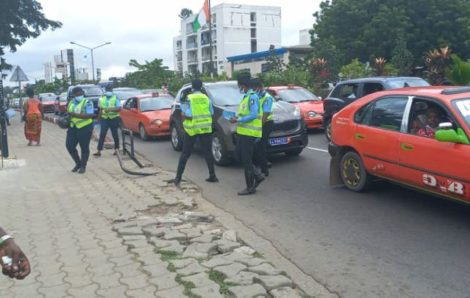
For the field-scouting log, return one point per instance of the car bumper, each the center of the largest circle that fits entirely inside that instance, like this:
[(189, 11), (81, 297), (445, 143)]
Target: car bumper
[(316, 122), (48, 108), (297, 141), (155, 131), (333, 150)]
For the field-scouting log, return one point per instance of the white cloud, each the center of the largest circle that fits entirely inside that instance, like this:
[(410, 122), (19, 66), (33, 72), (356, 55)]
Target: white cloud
[(138, 29)]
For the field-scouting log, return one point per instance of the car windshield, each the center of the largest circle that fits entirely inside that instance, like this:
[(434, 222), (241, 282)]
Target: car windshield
[(92, 91), (297, 95), (407, 82), (224, 94), (125, 94), (47, 97), (156, 103), (463, 106)]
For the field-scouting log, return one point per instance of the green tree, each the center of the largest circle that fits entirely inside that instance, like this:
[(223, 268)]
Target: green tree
[(148, 75), (355, 69), (185, 13), (370, 28), (402, 58), (459, 72), (21, 20), (274, 62)]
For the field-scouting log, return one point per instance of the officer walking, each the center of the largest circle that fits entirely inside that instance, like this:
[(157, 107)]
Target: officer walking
[(197, 123), (80, 110), (249, 130), (109, 107), (266, 103)]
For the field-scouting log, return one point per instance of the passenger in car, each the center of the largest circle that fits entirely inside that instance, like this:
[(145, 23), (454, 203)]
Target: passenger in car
[(433, 117)]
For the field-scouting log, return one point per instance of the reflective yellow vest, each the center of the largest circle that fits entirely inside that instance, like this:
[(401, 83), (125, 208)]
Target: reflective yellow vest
[(201, 122), (79, 109), (261, 103), (111, 104), (253, 128)]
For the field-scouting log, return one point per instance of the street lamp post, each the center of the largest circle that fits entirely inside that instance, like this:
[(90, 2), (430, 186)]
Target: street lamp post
[(91, 51)]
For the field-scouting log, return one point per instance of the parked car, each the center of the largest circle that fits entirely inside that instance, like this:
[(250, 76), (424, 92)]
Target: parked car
[(148, 115), (92, 92), (289, 134), (60, 104), (47, 100), (346, 92), (124, 93), (311, 106), (418, 137)]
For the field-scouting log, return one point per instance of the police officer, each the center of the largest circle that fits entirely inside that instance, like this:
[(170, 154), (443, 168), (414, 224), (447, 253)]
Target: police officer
[(81, 115), (249, 130), (109, 107), (266, 103), (197, 123)]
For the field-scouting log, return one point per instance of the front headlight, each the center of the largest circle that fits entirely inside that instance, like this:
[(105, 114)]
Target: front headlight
[(311, 114), (157, 122), (297, 113)]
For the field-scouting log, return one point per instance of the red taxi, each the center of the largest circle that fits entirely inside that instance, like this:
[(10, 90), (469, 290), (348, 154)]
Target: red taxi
[(60, 104), (311, 106), (414, 136), (48, 102), (148, 115)]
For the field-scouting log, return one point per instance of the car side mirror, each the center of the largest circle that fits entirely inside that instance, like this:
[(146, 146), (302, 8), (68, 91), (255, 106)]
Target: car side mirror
[(449, 135)]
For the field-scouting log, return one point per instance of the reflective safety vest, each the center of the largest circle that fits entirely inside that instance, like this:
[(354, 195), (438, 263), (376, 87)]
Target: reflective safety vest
[(261, 103), (201, 122), (111, 104), (79, 109), (253, 128)]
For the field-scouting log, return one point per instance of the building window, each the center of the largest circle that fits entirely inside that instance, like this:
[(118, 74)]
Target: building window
[(253, 46), (253, 17), (253, 32)]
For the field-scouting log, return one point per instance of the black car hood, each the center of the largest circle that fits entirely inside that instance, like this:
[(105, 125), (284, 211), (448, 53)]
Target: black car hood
[(282, 111)]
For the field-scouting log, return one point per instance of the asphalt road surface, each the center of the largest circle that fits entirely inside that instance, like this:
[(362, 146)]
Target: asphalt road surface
[(388, 242)]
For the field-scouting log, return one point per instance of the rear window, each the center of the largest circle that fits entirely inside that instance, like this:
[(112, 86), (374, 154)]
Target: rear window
[(406, 82), (92, 91), (156, 103)]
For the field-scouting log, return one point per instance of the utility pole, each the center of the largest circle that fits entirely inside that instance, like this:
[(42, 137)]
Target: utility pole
[(211, 66), (91, 51), (3, 120)]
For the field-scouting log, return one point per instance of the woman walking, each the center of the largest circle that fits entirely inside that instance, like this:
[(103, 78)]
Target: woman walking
[(33, 118)]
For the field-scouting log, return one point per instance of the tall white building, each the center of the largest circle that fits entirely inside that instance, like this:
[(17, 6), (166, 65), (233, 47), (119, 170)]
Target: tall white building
[(236, 29)]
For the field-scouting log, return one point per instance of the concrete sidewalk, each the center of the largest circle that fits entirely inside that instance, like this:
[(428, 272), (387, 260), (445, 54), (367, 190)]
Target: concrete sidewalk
[(108, 234)]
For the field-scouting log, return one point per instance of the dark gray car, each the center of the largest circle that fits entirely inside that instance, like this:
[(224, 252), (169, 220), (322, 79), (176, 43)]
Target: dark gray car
[(288, 136)]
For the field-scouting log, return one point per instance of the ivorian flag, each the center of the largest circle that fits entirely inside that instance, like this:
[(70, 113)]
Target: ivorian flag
[(202, 17)]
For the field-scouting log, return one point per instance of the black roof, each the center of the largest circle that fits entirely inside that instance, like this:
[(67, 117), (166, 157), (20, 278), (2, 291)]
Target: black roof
[(376, 79)]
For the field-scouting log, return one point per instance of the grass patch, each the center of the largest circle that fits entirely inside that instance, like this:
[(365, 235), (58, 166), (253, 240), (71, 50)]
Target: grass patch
[(168, 255), (171, 267), (219, 278), (306, 296), (258, 255), (187, 286)]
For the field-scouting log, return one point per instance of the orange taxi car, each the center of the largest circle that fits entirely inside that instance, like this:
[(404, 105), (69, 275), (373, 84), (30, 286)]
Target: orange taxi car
[(148, 114), (418, 137), (311, 106)]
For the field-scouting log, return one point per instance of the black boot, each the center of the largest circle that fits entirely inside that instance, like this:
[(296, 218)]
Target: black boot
[(76, 168)]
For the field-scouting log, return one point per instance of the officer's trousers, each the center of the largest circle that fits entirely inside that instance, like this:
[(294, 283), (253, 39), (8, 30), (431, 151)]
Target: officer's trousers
[(106, 124), (245, 148), (261, 157), (188, 145), (82, 137)]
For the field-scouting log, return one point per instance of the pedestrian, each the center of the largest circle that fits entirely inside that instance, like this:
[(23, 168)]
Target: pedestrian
[(14, 262), (249, 130), (266, 102), (32, 118), (109, 106), (196, 113), (80, 131)]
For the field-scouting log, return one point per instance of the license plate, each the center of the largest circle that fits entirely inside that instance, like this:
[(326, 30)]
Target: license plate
[(278, 141)]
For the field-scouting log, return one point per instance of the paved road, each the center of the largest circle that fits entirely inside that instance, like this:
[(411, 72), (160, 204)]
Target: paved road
[(389, 242)]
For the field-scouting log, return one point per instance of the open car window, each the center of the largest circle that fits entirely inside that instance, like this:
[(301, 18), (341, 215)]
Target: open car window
[(425, 117), (385, 113)]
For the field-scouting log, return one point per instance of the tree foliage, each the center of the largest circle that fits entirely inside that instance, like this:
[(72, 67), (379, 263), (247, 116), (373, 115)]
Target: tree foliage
[(402, 58), (185, 13), (21, 20), (148, 75), (365, 28), (355, 69), (459, 72)]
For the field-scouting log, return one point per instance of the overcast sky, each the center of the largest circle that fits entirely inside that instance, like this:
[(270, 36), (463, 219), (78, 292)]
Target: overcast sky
[(139, 29)]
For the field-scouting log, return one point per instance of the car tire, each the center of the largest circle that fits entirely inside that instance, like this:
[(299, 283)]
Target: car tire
[(353, 173), (295, 152), (176, 137), (143, 134), (328, 129), (219, 150)]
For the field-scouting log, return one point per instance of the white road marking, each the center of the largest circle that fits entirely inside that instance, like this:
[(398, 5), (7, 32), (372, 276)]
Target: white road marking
[(317, 149)]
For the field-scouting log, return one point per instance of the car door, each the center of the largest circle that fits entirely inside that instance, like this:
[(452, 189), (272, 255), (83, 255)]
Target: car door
[(377, 132), (127, 114), (439, 167)]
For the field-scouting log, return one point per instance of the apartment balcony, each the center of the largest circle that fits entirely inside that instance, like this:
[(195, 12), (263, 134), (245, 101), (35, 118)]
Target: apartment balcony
[(191, 46), (192, 60)]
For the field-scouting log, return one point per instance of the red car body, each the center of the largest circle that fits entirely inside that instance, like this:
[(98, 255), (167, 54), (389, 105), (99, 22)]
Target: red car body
[(60, 104), (48, 102), (382, 135), (148, 114), (311, 106)]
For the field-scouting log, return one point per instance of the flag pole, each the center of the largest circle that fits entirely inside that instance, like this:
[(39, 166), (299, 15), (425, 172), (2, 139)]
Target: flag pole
[(211, 70)]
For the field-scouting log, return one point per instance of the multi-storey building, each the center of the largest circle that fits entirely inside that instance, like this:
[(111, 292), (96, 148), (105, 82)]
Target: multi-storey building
[(236, 29)]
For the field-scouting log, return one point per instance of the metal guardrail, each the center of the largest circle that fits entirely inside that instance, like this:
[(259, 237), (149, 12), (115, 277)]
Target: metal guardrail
[(128, 146)]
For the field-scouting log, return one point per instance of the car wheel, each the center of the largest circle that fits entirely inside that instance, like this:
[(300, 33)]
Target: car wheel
[(295, 152), (219, 151), (353, 173), (328, 129), (143, 134), (176, 138)]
